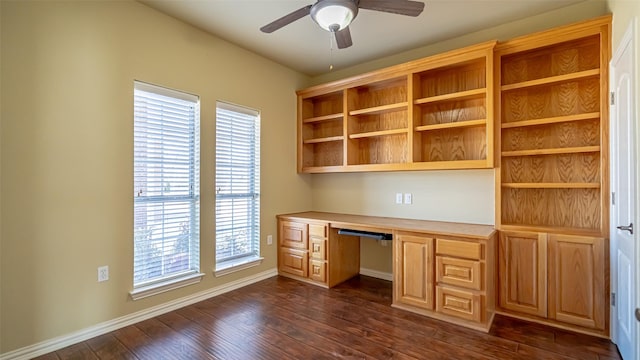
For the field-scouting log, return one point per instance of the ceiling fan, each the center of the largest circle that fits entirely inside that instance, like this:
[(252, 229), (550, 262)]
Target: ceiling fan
[(336, 15)]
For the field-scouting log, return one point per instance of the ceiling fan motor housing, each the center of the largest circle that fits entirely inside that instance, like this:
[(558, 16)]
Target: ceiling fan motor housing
[(334, 15)]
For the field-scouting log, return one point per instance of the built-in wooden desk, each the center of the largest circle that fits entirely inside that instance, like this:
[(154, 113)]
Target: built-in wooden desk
[(443, 270)]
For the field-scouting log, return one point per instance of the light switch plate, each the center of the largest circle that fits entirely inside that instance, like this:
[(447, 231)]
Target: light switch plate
[(398, 198), (408, 198)]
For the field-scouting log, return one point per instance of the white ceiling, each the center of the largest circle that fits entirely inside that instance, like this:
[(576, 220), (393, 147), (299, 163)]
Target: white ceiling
[(305, 47)]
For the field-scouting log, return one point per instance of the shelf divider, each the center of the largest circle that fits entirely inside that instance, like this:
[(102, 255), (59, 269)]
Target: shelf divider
[(380, 109), (378, 133), (458, 124), (551, 80), (452, 96), (323, 140), (568, 150), (552, 120), (551, 185), (335, 116)]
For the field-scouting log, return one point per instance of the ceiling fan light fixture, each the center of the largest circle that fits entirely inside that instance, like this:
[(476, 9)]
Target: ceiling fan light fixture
[(334, 15)]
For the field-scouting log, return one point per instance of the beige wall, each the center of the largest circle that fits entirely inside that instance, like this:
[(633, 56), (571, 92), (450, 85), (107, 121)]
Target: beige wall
[(67, 183)]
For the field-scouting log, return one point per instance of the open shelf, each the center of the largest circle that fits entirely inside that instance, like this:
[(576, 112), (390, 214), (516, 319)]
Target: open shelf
[(552, 120), (457, 124), (571, 150), (382, 109), (552, 80), (378, 133), (551, 185), (326, 139), (329, 117), (461, 95)]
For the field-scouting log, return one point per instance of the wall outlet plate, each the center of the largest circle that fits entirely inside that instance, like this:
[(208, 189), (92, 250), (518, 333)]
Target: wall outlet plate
[(408, 198), (398, 198), (103, 273), (269, 239)]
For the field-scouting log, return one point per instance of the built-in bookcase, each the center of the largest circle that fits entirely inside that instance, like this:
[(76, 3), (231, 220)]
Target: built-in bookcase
[(554, 130), (433, 113)]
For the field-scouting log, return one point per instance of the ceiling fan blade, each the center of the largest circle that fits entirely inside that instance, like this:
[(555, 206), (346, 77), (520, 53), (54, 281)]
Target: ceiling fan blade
[(343, 38), (400, 7), (286, 20)]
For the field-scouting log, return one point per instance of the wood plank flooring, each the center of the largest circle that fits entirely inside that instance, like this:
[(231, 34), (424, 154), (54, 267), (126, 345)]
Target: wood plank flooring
[(279, 318)]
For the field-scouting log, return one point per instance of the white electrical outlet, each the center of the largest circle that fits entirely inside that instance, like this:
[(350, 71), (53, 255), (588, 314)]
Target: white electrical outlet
[(269, 239), (408, 198), (398, 198), (103, 273)]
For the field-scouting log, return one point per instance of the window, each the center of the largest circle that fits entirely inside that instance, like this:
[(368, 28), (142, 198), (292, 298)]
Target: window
[(166, 192), (237, 187)]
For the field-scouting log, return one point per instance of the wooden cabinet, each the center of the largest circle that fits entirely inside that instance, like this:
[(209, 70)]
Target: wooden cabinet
[(577, 288), (413, 273), (560, 278), (445, 277), (553, 91), (522, 269), (432, 113), (309, 250)]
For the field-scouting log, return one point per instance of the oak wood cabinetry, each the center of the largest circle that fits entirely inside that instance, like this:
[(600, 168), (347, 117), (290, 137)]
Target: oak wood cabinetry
[(440, 269), (414, 270), (560, 278), (432, 113), (552, 180)]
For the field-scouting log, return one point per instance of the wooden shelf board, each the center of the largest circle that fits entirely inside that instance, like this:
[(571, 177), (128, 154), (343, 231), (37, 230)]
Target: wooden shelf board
[(380, 109), (336, 116), (452, 96), (452, 125), (551, 185), (551, 120), (550, 229), (571, 150), (325, 139), (378, 133), (551, 80), (323, 169)]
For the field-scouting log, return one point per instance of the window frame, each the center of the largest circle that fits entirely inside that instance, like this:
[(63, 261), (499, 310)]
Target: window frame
[(179, 278), (252, 258)]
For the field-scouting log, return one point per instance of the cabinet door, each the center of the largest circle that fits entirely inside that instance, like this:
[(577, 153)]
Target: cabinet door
[(293, 261), (522, 272), (414, 283), (577, 289), (293, 234)]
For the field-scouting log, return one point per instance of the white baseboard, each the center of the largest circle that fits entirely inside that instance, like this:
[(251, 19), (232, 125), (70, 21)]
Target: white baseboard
[(376, 274), (60, 342)]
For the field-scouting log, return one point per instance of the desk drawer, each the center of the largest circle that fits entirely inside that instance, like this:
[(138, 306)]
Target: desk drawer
[(318, 249), (318, 231), (318, 270), (462, 304), (459, 272), (294, 262), (293, 235), (457, 248)]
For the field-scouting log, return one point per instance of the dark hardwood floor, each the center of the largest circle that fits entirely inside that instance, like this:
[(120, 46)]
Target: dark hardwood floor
[(280, 318)]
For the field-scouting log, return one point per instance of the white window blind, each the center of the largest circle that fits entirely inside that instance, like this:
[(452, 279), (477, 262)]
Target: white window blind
[(237, 182), (166, 185)]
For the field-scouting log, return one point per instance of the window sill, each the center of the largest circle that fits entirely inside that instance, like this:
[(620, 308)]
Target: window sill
[(159, 288), (232, 266)]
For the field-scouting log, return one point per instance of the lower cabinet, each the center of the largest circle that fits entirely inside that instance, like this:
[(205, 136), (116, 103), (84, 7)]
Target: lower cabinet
[(413, 275), (307, 248), (557, 278), (445, 277)]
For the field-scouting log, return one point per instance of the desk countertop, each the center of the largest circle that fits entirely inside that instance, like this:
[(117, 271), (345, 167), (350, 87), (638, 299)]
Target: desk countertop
[(388, 224)]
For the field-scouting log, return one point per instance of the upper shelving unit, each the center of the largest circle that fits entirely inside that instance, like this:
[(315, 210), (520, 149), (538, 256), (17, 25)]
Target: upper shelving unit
[(432, 113), (553, 130)]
